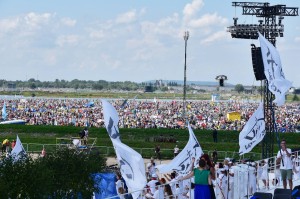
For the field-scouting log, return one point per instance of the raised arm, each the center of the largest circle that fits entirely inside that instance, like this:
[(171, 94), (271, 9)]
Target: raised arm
[(191, 174), (192, 164)]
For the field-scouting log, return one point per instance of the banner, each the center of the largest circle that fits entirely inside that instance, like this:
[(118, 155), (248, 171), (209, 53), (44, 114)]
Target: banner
[(131, 163), (253, 132), (18, 150), (132, 168), (4, 114), (182, 162), (278, 85), (111, 120)]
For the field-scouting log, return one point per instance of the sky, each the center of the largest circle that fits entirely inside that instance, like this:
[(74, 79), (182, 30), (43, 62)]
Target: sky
[(134, 40)]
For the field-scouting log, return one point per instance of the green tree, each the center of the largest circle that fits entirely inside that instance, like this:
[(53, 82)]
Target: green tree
[(61, 174), (32, 86), (239, 88), (295, 97)]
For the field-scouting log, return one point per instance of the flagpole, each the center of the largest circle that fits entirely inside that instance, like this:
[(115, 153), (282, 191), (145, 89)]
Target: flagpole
[(185, 37)]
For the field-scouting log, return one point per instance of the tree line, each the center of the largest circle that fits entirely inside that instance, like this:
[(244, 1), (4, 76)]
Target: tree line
[(80, 84), (75, 84)]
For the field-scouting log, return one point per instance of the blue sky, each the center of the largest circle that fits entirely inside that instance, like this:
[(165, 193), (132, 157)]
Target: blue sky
[(135, 40)]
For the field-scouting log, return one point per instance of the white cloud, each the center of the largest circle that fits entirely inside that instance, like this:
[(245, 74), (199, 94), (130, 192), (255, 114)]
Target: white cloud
[(191, 8), (67, 40), (208, 20), (68, 22), (127, 17), (217, 36), (34, 20), (97, 34), (297, 39), (166, 26), (7, 25)]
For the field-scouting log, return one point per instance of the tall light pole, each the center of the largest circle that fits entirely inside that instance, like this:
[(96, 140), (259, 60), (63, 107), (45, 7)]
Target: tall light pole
[(185, 37)]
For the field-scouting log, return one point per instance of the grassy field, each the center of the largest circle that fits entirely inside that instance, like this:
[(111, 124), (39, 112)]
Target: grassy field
[(142, 140), (128, 95)]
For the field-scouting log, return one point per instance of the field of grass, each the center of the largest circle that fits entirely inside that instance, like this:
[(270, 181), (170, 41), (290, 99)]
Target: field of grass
[(142, 140)]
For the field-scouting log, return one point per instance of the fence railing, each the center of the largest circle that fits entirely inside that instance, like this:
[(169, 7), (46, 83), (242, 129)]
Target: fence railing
[(145, 152)]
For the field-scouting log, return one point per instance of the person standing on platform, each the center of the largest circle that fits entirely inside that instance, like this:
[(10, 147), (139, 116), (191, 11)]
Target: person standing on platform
[(284, 158)]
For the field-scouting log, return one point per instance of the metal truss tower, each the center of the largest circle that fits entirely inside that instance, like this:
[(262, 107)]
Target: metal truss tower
[(268, 27)]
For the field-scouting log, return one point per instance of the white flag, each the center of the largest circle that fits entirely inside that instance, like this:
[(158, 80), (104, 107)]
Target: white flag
[(253, 132), (111, 120), (132, 168), (131, 163), (182, 162), (278, 85), (18, 150)]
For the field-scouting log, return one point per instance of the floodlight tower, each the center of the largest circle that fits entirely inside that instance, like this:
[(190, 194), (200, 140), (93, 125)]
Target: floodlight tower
[(268, 27)]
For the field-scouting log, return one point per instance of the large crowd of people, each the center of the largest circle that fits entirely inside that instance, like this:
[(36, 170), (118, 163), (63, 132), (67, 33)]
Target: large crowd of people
[(144, 113), (216, 180)]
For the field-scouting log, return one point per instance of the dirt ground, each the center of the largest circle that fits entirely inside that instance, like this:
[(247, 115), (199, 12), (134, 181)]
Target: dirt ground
[(113, 160)]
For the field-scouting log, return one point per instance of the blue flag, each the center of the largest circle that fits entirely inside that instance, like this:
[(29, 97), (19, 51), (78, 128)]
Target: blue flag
[(106, 185), (4, 114)]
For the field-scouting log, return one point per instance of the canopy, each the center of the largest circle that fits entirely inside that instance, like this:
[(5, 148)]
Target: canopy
[(232, 116)]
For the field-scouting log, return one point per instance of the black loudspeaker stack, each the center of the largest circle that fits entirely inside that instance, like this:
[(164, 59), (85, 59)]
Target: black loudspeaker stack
[(257, 62)]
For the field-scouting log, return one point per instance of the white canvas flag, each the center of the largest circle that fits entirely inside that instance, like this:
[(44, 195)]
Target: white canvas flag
[(278, 85), (132, 168), (131, 163), (253, 132), (18, 150), (182, 162), (111, 120)]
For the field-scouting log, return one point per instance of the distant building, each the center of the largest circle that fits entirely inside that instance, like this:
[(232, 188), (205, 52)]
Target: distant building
[(11, 86)]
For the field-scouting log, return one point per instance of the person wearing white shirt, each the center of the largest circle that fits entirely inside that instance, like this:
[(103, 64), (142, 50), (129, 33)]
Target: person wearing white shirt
[(119, 183), (284, 157), (152, 182), (157, 192), (265, 174), (151, 168), (176, 151)]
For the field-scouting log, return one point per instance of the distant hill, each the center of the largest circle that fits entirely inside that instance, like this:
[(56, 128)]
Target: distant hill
[(198, 83)]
